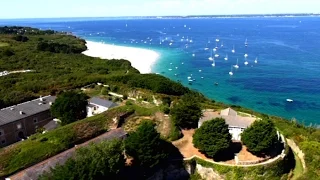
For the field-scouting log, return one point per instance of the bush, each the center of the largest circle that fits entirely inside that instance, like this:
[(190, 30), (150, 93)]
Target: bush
[(97, 161), (145, 146), (212, 137), (70, 106), (260, 137), (166, 110), (186, 112), (104, 91), (7, 52), (128, 103), (125, 97)]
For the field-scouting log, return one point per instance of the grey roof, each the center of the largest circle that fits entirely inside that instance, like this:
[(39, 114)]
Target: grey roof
[(232, 120), (102, 102), (11, 114)]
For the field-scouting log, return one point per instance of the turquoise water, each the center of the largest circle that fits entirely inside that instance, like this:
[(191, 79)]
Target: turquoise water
[(287, 49)]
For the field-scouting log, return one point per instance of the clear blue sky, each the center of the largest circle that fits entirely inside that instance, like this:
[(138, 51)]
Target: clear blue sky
[(105, 8)]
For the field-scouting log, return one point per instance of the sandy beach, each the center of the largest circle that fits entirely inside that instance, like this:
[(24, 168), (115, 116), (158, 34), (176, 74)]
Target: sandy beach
[(141, 59)]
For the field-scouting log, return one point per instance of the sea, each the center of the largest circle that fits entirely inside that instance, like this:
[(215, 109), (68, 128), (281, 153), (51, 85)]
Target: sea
[(286, 50)]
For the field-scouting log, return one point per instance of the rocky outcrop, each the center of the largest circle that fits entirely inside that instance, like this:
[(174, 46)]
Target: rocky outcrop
[(207, 173)]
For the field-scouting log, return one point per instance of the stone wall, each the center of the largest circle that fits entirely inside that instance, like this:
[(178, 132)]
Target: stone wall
[(295, 148)]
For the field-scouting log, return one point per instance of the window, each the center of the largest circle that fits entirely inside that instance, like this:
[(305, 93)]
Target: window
[(19, 126), (3, 141), (1, 132), (35, 120)]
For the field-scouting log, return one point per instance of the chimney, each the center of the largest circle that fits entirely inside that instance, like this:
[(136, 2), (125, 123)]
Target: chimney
[(39, 103), (12, 109), (21, 112), (41, 99), (50, 103)]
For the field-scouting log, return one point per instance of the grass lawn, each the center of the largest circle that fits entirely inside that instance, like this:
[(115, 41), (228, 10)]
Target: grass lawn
[(2, 44), (298, 170)]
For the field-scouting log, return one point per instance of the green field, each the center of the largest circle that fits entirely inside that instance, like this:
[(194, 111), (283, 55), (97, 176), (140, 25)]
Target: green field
[(3, 44)]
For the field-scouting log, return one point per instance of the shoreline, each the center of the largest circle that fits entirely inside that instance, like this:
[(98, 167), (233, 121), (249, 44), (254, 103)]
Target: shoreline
[(141, 59)]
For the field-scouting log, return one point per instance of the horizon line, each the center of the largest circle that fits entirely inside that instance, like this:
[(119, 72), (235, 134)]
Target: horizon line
[(168, 16)]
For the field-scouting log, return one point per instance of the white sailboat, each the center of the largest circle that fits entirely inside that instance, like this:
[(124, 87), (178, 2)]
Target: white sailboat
[(231, 73), (221, 44), (206, 48), (193, 55), (226, 58), (246, 43), (216, 55), (236, 66), (246, 62), (246, 55), (233, 50), (256, 60), (211, 57), (213, 63)]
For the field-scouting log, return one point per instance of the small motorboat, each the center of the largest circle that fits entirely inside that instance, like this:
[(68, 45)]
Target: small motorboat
[(289, 100)]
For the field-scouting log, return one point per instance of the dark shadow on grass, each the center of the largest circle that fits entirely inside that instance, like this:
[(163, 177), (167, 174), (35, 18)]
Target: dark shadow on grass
[(170, 168)]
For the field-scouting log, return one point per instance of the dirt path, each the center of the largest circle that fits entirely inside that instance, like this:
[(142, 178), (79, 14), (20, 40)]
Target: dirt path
[(36, 170)]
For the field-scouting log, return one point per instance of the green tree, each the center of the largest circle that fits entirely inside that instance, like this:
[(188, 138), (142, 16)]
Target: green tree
[(212, 137), (145, 146), (98, 161), (260, 137), (186, 112), (70, 106)]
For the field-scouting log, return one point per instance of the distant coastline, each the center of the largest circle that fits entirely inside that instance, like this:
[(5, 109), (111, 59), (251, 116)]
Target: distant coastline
[(141, 59), (288, 15)]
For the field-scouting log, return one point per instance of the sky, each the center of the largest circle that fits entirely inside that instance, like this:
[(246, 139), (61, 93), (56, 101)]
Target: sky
[(111, 8)]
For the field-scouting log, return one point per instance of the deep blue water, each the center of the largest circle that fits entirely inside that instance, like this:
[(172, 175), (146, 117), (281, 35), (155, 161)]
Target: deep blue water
[(288, 51)]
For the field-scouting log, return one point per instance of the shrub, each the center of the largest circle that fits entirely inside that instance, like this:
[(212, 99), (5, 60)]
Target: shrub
[(145, 146), (186, 112), (212, 137), (260, 137)]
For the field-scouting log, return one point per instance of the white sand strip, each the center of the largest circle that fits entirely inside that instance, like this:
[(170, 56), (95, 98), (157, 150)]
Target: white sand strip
[(141, 59)]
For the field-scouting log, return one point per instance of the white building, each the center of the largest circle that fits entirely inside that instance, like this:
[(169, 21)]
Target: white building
[(98, 105), (237, 124)]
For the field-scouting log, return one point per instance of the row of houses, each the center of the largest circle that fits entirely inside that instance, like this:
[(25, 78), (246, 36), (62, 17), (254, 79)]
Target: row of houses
[(22, 120)]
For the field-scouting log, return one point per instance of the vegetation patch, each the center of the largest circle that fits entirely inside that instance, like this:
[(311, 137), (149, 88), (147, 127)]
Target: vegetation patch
[(35, 149), (3, 44)]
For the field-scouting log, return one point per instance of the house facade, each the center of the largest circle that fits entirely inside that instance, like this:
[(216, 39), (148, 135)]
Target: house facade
[(236, 124), (22, 120), (97, 105)]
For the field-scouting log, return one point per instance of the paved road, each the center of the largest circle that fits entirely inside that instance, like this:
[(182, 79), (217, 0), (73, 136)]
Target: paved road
[(35, 171)]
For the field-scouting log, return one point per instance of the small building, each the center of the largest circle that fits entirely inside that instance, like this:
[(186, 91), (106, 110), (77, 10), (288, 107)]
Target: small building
[(97, 105), (22, 120), (237, 124)]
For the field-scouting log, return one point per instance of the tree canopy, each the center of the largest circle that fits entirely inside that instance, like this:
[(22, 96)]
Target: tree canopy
[(260, 137), (70, 106), (145, 146), (212, 137), (98, 161), (186, 112)]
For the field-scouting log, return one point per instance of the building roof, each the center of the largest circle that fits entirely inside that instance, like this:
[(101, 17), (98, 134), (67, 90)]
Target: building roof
[(26, 109), (228, 112), (102, 102), (232, 119)]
